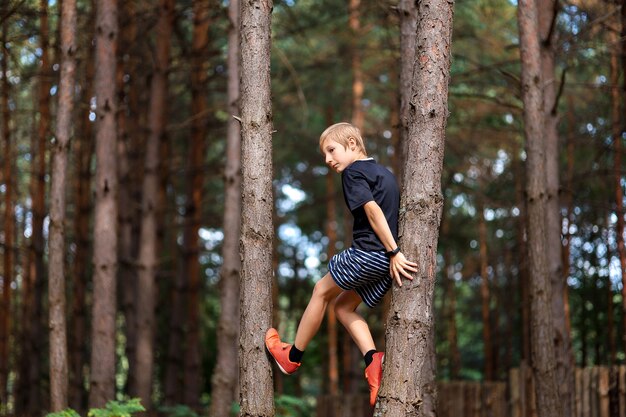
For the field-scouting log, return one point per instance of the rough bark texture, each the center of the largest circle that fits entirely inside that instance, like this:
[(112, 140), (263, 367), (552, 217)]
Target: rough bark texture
[(56, 243), (542, 324), (562, 339), (409, 387), (147, 262), (407, 10), (257, 231), (105, 220), (9, 221), (225, 376)]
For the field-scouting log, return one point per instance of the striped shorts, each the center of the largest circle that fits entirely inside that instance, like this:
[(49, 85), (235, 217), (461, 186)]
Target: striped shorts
[(365, 272)]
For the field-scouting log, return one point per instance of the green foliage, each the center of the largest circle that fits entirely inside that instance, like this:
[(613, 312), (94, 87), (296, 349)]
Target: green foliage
[(65, 413), (287, 406), (178, 411), (124, 408)]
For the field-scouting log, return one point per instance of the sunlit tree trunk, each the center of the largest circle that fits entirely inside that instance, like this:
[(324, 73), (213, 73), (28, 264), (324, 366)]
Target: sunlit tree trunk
[(485, 294), (257, 233), (105, 220), (9, 222), (147, 262), (409, 386), (224, 382), (354, 21), (542, 324), (56, 245)]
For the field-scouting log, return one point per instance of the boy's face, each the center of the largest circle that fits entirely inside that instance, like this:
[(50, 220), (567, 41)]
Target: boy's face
[(338, 157)]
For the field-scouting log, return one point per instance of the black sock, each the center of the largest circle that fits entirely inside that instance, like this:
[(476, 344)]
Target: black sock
[(295, 355), (369, 357)]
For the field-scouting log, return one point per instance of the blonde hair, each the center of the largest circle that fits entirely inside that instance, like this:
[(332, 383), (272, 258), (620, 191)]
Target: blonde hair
[(341, 133)]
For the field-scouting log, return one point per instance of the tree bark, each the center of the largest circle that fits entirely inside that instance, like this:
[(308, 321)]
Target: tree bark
[(224, 380), (409, 386), (562, 340), (407, 10), (9, 222), (542, 324), (147, 262), (56, 244), (256, 396), (105, 220)]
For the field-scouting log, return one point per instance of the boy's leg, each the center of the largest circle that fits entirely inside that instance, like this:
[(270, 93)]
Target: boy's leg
[(345, 308), (288, 357), (324, 292)]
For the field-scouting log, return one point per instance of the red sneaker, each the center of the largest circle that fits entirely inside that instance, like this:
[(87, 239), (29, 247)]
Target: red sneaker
[(280, 352), (374, 374)]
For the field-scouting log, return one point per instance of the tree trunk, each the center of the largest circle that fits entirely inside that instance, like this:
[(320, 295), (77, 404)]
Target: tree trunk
[(331, 233), (147, 262), (562, 340), (619, 198), (193, 212), (9, 222), (485, 293), (56, 271), (409, 387), (224, 381), (257, 233), (128, 133), (542, 325), (407, 10), (105, 220)]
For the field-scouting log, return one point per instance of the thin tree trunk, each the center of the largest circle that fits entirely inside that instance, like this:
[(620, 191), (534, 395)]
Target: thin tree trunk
[(147, 262), (39, 335), (354, 21), (562, 340), (619, 197), (193, 212), (449, 312), (409, 386), (331, 322), (56, 272), (9, 222), (257, 234), (127, 85), (105, 220), (407, 10), (542, 324), (225, 375), (485, 293), (83, 149)]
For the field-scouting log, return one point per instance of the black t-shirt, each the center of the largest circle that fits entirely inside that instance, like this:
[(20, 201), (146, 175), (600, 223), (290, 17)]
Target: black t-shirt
[(364, 181)]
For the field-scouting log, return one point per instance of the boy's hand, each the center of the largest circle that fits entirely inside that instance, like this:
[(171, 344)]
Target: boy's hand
[(400, 267)]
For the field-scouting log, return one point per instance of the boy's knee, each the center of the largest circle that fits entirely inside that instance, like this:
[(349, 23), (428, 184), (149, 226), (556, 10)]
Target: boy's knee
[(323, 291), (341, 312)]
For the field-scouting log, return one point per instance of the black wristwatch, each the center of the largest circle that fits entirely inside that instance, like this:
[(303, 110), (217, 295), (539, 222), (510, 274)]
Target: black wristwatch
[(392, 252)]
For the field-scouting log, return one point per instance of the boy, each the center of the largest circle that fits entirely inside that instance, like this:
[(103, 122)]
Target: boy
[(362, 273)]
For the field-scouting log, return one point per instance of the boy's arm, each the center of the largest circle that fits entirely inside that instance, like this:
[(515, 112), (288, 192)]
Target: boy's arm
[(398, 264)]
